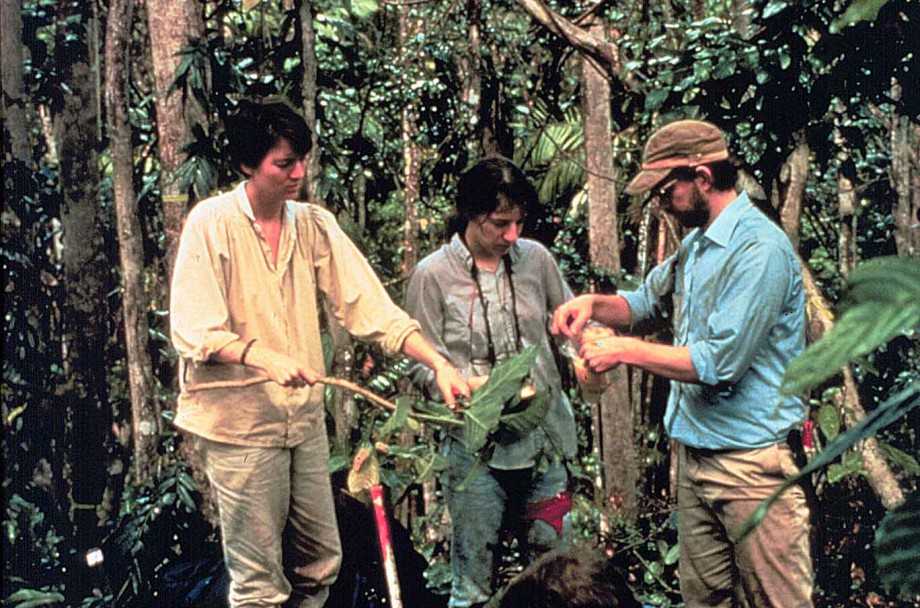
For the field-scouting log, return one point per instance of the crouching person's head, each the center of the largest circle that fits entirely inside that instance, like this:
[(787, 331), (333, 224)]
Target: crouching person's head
[(568, 580)]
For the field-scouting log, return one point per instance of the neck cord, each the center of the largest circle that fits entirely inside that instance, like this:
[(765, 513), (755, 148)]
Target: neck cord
[(493, 359)]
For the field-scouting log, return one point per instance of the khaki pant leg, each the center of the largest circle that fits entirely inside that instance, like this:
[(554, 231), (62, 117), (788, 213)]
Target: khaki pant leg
[(717, 494), (706, 566), (315, 551), (774, 560), (253, 488)]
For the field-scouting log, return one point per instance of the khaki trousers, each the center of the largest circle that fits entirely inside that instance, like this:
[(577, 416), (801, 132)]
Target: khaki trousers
[(717, 492), (277, 517)]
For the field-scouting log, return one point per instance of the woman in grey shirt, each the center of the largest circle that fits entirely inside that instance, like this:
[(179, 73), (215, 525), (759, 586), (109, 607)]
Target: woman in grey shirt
[(481, 298)]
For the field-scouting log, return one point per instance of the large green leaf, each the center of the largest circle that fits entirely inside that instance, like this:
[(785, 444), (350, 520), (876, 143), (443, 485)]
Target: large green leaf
[(897, 547), (530, 417), (484, 412), (883, 300)]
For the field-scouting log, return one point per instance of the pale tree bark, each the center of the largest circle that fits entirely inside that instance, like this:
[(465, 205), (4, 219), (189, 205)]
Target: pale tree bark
[(617, 433), (846, 211), (408, 27), (793, 178), (905, 179), (878, 472), (171, 25), (308, 92), (145, 409), (85, 415), (588, 42), (742, 12), (15, 128)]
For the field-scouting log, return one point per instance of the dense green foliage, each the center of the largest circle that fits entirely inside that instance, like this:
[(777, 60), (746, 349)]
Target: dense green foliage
[(818, 72)]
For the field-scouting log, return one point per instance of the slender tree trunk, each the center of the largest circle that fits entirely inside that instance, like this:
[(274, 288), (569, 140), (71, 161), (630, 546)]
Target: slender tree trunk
[(145, 410), (308, 92), (793, 179), (83, 398), (905, 179), (15, 128), (618, 447), (846, 209), (171, 24), (411, 156)]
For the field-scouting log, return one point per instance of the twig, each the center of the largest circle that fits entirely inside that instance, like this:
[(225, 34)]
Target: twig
[(350, 386)]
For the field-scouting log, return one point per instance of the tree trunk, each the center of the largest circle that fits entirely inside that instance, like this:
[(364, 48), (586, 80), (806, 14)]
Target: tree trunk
[(793, 179), (878, 473), (83, 398), (618, 448), (145, 410), (308, 91), (846, 207), (171, 24), (741, 12), (411, 157), (905, 179), (15, 127)]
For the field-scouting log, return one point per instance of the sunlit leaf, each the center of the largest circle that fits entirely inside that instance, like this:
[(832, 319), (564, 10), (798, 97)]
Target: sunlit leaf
[(883, 301), (483, 414), (858, 10)]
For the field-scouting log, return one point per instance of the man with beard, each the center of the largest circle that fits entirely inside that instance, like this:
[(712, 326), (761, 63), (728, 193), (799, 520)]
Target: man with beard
[(733, 297)]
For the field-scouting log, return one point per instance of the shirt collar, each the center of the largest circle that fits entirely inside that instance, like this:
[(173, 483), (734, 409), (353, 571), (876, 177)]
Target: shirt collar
[(459, 249), (245, 206), (721, 229)]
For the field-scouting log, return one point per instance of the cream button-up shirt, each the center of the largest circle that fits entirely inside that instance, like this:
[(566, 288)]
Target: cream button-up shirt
[(226, 288)]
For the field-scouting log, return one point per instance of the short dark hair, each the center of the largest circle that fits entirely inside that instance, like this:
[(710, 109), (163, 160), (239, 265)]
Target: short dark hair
[(256, 127), (492, 183), (569, 580)]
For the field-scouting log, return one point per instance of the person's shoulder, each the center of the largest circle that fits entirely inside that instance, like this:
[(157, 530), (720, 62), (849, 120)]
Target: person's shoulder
[(434, 262), (530, 249), (213, 210)]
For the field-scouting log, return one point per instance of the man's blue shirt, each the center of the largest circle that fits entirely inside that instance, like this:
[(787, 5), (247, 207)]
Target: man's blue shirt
[(739, 307)]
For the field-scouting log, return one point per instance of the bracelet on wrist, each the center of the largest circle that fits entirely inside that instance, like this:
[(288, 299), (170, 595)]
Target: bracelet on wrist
[(246, 351)]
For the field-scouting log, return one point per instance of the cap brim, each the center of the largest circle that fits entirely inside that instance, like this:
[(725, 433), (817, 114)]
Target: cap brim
[(645, 180)]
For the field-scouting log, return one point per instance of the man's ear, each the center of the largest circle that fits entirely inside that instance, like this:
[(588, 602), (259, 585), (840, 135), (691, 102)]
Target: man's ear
[(703, 177), (247, 171)]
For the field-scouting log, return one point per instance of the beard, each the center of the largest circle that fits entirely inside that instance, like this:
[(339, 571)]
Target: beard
[(698, 213)]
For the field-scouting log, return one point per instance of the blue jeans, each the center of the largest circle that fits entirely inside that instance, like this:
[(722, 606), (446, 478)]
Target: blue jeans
[(492, 502)]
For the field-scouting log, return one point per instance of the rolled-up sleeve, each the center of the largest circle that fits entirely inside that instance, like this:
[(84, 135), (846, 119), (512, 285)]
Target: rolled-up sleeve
[(199, 315), (355, 293), (751, 298)]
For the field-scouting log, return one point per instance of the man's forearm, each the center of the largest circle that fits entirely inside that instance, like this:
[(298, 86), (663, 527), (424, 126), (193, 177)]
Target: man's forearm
[(420, 349), (611, 310), (671, 362)]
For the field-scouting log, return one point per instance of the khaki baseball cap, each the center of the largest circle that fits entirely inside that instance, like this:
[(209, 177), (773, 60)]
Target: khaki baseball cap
[(685, 143)]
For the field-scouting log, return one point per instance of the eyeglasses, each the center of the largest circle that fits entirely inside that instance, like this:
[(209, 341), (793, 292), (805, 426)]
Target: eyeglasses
[(663, 194)]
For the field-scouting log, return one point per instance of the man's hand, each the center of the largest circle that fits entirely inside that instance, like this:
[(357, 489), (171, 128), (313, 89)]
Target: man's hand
[(609, 352), (570, 318), (282, 369), (451, 384)]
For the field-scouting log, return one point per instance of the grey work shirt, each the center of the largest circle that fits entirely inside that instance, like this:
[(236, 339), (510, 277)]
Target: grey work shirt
[(442, 295)]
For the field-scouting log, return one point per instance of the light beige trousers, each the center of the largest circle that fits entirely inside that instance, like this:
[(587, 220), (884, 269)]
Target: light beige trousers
[(717, 493), (277, 517)]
